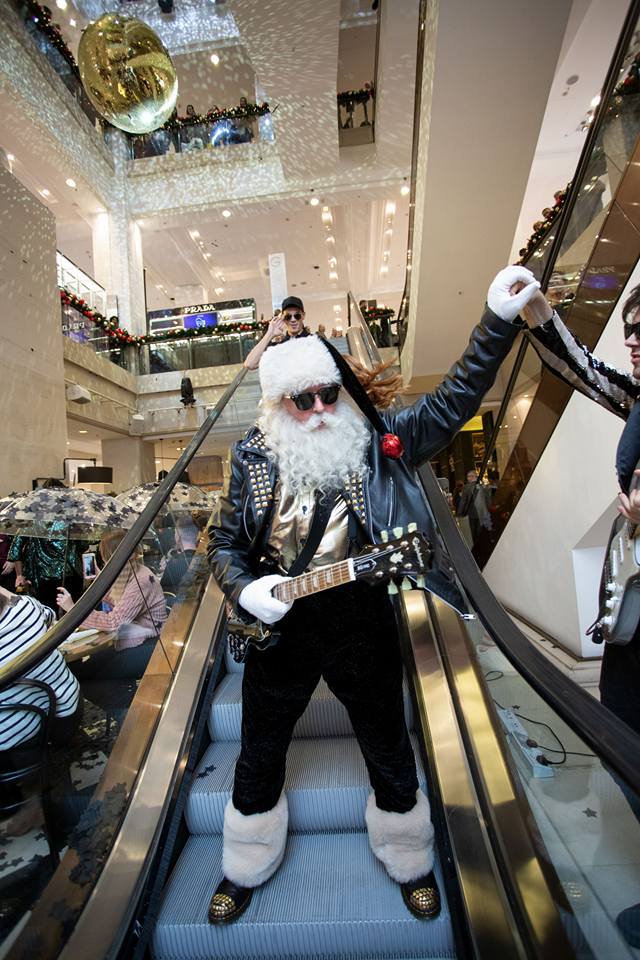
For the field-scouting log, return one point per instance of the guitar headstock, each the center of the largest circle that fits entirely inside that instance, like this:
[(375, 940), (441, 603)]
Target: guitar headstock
[(407, 555)]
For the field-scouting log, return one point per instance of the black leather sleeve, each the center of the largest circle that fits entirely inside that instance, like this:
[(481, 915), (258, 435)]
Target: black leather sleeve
[(229, 548), (432, 422)]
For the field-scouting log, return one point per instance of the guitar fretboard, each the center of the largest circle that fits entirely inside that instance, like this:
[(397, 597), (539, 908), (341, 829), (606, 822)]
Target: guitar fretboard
[(324, 578)]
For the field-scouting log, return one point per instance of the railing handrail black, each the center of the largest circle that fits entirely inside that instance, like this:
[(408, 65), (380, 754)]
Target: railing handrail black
[(615, 744)]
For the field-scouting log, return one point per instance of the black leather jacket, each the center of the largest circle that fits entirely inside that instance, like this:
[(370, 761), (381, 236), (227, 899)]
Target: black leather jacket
[(388, 495)]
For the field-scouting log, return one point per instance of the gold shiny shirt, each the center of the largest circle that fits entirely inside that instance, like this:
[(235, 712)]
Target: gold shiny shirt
[(292, 517)]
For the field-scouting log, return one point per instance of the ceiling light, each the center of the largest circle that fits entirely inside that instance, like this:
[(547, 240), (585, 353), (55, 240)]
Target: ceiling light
[(595, 101), (215, 59), (314, 201), (390, 208), (83, 431), (72, 22), (333, 262), (61, 4), (337, 308), (226, 214), (45, 193), (219, 290), (207, 256), (70, 182), (330, 239), (333, 275), (194, 234), (388, 232), (404, 190), (10, 157), (384, 268)]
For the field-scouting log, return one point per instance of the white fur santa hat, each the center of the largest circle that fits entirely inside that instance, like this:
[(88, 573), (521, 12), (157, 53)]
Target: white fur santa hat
[(295, 366)]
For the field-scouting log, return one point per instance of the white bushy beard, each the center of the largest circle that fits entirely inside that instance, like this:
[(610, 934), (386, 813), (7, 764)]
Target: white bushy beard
[(311, 457)]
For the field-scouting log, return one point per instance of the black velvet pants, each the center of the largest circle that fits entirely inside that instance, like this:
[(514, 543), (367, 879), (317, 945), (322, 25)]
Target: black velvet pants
[(348, 636)]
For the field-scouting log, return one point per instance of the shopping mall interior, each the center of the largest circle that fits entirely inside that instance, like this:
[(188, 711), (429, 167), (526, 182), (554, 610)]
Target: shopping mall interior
[(162, 193)]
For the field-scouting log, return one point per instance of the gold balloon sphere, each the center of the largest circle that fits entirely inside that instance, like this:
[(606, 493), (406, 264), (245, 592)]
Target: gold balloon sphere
[(127, 73)]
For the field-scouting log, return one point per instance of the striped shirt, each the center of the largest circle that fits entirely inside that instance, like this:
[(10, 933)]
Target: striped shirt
[(20, 628)]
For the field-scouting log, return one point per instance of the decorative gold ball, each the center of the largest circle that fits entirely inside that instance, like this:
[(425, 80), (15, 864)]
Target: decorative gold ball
[(127, 73)]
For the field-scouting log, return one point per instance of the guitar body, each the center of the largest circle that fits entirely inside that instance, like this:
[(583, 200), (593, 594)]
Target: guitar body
[(620, 585), (407, 556)]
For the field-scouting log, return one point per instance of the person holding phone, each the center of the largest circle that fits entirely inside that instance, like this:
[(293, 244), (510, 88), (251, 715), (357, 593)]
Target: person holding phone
[(89, 566), (286, 325)]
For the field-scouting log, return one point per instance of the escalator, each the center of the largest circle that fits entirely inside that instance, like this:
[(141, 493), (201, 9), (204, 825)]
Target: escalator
[(585, 262), (143, 857)]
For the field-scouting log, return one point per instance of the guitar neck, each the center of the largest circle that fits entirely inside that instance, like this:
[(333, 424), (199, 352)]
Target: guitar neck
[(324, 578)]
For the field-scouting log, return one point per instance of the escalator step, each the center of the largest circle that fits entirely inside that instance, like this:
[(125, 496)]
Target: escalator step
[(327, 786), (324, 716), (330, 899)]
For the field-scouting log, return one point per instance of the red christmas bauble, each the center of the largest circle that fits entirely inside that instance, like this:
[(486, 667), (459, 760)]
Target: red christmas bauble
[(392, 446)]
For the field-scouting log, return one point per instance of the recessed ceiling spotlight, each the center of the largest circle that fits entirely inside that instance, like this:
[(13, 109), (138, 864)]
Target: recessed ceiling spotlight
[(215, 59), (390, 208), (329, 239), (194, 234), (70, 182), (333, 275), (226, 214), (595, 101), (404, 190), (61, 4), (83, 431), (219, 290), (45, 193), (207, 256), (72, 22), (10, 157), (384, 268), (314, 201)]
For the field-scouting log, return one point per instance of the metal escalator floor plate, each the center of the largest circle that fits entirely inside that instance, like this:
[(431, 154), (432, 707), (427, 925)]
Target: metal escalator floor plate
[(330, 899)]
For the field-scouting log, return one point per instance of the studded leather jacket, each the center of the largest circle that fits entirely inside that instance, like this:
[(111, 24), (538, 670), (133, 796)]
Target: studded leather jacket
[(387, 495)]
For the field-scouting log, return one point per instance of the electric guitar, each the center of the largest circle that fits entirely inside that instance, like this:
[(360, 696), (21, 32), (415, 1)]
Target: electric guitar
[(620, 584), (406, 556)]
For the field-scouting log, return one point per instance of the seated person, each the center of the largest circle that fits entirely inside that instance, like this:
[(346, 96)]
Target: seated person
[(23, 620), (136, 612)]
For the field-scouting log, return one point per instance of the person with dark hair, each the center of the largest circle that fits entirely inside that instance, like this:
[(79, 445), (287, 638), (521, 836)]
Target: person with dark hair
[(329, 474), (618, 391), (285, 324), (42, 564)]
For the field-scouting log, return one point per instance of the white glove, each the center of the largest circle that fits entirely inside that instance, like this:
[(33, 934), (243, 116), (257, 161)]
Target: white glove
[(257, 599), (502, 302)]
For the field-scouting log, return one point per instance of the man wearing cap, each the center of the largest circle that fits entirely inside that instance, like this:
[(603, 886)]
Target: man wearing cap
[(285, 325), (317, 452)]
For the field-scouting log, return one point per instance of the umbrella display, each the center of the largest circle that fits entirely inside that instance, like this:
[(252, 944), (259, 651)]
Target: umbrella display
[(183, 497), (74, 514)]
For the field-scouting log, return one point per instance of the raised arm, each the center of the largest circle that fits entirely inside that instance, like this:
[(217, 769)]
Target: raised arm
[(276, 328), (432, 422)]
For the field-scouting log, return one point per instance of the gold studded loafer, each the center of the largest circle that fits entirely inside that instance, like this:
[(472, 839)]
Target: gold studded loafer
[(422, 897), (228, 901)]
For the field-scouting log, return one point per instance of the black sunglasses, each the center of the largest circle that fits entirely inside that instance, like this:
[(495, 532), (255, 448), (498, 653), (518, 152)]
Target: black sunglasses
[(305, 401), (632, 329), (293, 316)]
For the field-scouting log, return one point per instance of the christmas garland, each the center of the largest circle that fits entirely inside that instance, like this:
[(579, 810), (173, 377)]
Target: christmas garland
[(375, 314), (540, 227), (356, 96), (229, 113), (122, 336), (41, 17)]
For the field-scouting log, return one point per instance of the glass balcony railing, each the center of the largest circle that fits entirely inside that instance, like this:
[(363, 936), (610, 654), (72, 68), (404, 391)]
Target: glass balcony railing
[(209, 133), (192, 353)]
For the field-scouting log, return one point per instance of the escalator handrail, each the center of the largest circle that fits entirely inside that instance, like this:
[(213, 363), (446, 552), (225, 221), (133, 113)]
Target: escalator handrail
[(615, 744), (372, 349), (50, 640), (560, 227)]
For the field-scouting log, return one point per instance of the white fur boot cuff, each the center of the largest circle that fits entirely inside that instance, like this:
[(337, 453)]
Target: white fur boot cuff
[(253, 846), (402, 841)]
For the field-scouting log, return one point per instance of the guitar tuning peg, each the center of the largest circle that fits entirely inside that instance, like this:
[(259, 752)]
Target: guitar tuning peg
[(398, 531), (412, 527), (384, 536), (392, 589), (406, 584), (420, 582)]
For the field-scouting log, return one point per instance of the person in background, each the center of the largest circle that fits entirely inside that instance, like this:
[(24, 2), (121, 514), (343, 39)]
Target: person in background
[(7, 567), (286, 324), (44, 564), (136, 612), (337, 331), (473, 504), (23, 620), (322, 330)]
